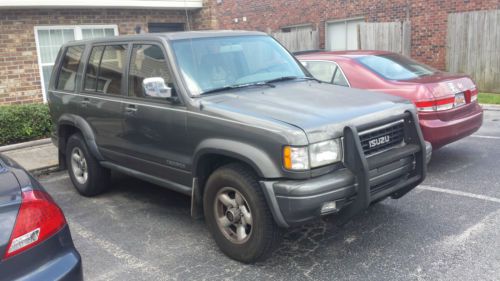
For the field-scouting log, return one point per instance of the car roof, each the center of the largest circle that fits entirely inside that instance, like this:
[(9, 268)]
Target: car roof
[(170, 36), (326, 55)]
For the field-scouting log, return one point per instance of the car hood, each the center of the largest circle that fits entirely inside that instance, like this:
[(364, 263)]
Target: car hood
[(321, 110)]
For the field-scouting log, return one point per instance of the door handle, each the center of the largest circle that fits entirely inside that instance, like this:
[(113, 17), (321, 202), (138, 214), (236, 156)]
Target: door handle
[(85, 102), (131, 109)]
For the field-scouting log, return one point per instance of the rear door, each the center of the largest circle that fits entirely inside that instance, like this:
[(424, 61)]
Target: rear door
[(103, 90)]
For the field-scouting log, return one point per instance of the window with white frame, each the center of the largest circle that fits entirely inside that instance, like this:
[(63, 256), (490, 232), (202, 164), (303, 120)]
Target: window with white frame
[(50, 38), (342, 35)]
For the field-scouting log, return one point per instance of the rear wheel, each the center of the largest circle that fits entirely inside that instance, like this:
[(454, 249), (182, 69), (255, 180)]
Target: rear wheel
[(237, 214), (87, 175)]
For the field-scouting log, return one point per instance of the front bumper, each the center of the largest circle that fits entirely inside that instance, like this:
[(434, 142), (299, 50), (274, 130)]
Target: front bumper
[(362, 181)]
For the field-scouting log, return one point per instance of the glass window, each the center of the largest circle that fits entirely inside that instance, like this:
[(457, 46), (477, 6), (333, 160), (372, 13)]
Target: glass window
[(50, 39), (147, 61), (396, 67), (212, 63), (69, 68), (339, 78), (321, 70), (92, 68)]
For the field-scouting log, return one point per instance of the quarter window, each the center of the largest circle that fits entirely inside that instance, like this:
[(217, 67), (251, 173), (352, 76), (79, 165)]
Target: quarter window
[(147, 61), (321, 70), (69, 68), (339, 78)]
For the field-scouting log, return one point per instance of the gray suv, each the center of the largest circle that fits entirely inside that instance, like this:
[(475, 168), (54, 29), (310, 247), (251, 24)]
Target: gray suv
[(231, 119)]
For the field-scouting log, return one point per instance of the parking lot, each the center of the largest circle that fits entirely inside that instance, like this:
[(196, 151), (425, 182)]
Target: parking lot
[(446, 229)]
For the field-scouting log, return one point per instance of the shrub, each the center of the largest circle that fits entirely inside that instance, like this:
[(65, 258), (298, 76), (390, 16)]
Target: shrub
[(25, 122)]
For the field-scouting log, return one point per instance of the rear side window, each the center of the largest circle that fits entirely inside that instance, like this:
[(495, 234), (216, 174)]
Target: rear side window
[(396, 67), (105, 69), (69, 68), (339, 78)]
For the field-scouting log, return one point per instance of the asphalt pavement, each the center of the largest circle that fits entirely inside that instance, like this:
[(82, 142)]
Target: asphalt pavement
[(446, 229)]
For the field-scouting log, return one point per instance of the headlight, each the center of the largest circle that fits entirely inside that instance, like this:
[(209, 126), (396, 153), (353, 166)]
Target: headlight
[(316, 155), (324, 153)]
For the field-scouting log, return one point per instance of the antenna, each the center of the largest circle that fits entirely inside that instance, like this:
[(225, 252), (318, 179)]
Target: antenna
[(187, 16)]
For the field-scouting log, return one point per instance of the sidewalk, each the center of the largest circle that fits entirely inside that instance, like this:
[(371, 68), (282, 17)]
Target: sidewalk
[(37, 156)]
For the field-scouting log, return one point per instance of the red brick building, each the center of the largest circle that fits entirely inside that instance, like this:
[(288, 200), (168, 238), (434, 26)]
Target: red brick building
[(427, 18), (31, 32)]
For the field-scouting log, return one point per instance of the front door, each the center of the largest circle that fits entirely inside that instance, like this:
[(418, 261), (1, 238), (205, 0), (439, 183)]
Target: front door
[(154, 132)]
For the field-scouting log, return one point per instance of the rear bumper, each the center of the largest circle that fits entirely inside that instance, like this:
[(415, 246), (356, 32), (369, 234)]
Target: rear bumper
[(440, 133), (54, 259), (353, 188)]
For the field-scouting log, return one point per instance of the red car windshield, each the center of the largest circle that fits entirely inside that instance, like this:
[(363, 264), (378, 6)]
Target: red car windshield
[(395, 67)]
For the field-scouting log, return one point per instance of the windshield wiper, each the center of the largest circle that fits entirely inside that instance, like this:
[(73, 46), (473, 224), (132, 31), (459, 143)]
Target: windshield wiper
[(230, 87), (287, 78)]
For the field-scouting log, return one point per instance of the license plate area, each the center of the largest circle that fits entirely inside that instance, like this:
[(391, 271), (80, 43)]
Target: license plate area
[(459, 99)]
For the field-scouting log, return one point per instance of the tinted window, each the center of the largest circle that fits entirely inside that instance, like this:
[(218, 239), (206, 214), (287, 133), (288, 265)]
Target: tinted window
[(92, 68), (105, 70), (339, 78), (147, 61), (212, 63), (321, 70), (69, 68), (396, 67)]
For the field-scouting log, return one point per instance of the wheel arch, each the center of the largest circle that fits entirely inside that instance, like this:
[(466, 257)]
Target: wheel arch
[(69, 124)]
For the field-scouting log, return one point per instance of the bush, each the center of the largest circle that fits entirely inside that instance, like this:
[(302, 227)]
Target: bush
[(19, 123)]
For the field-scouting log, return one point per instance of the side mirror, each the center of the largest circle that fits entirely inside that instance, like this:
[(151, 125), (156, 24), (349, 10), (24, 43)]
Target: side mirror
[(155, 87)]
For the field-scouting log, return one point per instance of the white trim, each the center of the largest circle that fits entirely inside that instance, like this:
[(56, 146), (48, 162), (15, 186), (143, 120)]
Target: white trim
[(130, 4), (77, 29)]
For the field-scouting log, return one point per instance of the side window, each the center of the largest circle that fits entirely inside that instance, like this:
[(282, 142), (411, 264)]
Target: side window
[(69, 67), (105, 69), (149, 76), (92, 68), (321, 70), (339, 79)]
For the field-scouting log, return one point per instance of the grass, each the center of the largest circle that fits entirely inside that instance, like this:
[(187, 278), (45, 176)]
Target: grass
[(489, 98)]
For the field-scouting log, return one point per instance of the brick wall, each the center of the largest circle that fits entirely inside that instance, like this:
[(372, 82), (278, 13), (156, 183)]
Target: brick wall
[(428, 17), (19, 71)]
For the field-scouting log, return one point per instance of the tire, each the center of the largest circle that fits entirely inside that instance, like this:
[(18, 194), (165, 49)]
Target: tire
[(87, 175), (262, 235)]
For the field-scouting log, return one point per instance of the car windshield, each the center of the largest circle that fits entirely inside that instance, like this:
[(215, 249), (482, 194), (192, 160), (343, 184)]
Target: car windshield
[(396, 67), (208, 64)]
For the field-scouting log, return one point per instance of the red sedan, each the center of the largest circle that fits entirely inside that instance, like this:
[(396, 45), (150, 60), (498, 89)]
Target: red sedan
[(447, 103)]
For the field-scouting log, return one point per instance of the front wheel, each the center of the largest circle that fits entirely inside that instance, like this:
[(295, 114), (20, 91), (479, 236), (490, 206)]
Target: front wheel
[(237, 214)]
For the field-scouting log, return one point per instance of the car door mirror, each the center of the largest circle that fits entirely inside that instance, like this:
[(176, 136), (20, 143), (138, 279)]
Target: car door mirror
[(155, 87)]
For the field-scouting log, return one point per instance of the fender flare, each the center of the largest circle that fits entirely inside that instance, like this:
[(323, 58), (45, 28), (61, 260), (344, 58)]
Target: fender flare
[(84, 127), (251, 155)]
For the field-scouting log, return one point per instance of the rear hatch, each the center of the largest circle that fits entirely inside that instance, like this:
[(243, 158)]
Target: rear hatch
[(453, 94), (10, 201)]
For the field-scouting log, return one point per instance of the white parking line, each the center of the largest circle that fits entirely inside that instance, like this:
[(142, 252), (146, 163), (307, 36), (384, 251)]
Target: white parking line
[(128, 259), (486, 137), (459, 193)]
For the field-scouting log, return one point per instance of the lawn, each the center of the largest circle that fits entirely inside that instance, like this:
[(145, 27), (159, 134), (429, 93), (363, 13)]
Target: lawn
[(489, 98)]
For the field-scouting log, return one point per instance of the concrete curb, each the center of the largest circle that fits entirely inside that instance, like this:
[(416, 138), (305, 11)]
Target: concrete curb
[(45, 170), (24, 144), (493, 107)]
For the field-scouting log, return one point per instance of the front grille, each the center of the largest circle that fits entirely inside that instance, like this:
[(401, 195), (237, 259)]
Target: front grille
[(383, 138)]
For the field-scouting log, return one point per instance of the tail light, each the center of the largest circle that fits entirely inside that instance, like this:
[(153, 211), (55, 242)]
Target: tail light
[(473, 94), (39, 218), (435, 105)]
